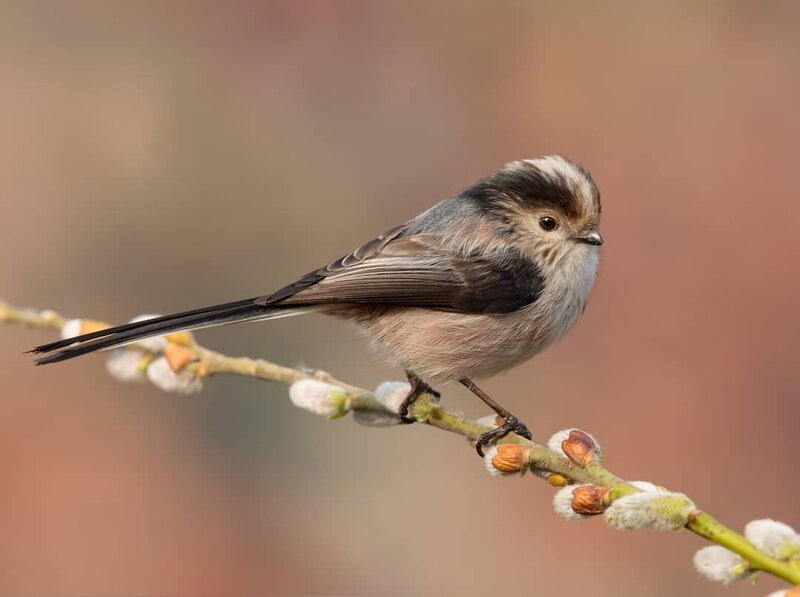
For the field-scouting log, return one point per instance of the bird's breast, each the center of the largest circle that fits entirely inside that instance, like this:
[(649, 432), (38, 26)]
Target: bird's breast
[(568, 289), (441, 346)]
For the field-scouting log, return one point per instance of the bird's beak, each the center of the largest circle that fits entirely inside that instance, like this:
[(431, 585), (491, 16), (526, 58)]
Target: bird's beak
[(592, 237)]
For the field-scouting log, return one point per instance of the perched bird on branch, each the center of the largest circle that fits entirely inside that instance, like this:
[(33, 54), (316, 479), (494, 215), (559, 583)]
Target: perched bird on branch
[(477, 284)]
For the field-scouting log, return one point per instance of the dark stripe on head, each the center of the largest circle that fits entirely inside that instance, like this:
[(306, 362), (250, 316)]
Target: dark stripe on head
[(545, 183)]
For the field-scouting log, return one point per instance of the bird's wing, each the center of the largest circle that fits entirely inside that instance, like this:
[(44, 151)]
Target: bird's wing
[(417, 271), (395, 269)]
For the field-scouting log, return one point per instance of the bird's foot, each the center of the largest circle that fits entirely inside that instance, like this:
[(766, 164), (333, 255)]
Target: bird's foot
[(418, 388), (511, 424)]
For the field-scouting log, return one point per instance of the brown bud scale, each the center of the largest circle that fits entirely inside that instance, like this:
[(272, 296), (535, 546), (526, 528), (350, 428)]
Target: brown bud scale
[(589, 499), (580, 448), (182, 338), (89, 325), (511, 458), (178, 356)]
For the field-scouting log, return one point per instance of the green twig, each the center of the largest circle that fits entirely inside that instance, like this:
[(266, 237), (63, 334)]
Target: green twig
[(426, 410)]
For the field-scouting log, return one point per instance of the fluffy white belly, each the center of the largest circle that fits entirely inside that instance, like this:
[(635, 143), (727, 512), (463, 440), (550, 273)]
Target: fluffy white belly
[(440, 346)]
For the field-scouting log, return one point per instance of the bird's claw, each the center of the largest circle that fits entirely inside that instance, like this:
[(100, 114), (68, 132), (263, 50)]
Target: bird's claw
[(511, 424), (412, 397)]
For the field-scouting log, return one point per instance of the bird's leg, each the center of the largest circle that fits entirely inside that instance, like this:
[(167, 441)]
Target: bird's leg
[(511, 423), (418, 388)]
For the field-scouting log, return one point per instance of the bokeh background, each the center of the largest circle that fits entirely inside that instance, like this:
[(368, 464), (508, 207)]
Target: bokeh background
[(158, 156)]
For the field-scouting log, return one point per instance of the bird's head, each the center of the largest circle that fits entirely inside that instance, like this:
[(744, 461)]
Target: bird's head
[(549, 206)]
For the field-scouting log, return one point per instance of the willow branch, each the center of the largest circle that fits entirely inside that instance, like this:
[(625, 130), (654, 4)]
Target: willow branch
[(577, 463)]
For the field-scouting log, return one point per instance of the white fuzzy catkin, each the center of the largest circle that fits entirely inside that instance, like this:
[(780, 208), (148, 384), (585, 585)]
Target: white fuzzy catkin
[(562, 503), (648, 487), (71, 329), (646, 510), (318, 397), (488, 456), (155, 344), (719, 564), (781, 593), (488, 420), (126, 365), (555, 441), (182, 382), (770, 536), (392, 393), (372, 418)]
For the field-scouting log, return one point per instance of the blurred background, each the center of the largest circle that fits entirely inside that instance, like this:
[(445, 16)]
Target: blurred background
[(159, 156)]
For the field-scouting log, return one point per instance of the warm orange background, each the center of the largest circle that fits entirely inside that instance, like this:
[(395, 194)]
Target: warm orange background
[(166, 155)]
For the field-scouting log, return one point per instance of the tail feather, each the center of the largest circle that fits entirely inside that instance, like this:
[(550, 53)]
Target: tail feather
[(245, 310)]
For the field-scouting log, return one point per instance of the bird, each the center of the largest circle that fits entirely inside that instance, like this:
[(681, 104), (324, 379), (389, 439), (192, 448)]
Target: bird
[(477, 284)]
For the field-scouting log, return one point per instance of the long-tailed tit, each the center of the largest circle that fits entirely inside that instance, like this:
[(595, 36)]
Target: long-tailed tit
[(477, 284)]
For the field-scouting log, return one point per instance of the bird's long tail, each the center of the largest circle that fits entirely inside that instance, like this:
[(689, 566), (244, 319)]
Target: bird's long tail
[(244, 310)]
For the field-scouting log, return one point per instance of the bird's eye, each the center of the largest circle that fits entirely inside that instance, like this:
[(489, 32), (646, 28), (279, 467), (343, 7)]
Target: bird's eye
[(548, 223)]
